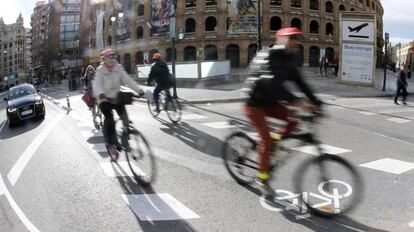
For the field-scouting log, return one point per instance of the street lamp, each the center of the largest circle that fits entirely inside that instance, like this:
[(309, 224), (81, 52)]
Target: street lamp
[(259, 25)]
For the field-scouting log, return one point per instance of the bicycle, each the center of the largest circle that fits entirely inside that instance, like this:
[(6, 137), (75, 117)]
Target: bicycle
[(329, 71), (97, 117), (239, 155), (137, 150), (169, 104)]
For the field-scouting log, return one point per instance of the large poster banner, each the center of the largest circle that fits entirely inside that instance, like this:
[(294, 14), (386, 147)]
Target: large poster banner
[(242, 16), (357, 62), (123, 20), (161, 12), (99, 30)]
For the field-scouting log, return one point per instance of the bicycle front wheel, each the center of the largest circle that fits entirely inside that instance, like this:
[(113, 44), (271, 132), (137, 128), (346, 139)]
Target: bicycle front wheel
[(140, 158), (151, 108), (239, 155), (328, 185), (173, 109)]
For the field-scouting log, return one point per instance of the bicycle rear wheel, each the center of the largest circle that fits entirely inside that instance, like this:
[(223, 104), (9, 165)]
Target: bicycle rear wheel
[(151, 108), (140, 158), (239, 155), (98, 121), (173, 108), (328, 185)]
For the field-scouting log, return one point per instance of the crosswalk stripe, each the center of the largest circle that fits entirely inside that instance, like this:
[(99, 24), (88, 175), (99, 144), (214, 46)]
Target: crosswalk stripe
[(389, 165), (116, 169), (367, 113), (99, 147), (218, 125), (396, 111), (85, 124), (328, 149), (158, 207), (193, 116), (92, 133), (398, 120)]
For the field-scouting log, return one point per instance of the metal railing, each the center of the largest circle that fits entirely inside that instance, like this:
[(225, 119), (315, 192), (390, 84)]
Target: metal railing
[(232, 34), (189, 35), (329, 15), (190, 10), (296, 10), (329, 38), (274, 8), (314, 12), (210, 34), (211, 8), (313, 36)]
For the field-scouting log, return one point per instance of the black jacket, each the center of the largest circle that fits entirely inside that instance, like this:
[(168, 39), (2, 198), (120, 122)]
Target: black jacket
[(160, 73), (402, 79), (275, 67)]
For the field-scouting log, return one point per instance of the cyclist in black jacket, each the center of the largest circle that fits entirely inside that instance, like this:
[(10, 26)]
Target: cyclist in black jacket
[(161, 74), (268, 72)]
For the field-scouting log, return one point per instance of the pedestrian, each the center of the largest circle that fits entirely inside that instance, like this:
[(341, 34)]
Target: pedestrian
[(335, 63), (401, 85), (409, 71), (323, 63)]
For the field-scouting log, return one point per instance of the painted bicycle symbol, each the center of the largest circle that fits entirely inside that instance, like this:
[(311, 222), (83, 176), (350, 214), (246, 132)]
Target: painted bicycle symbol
[(289, 201)]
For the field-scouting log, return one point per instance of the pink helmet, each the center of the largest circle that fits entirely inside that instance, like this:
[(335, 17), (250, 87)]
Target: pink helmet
[(107, 52), (288, 31)]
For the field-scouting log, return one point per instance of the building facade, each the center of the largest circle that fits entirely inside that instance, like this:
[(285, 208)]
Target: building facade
[(212, 29), (39, 24), (12, 53), (28, 53)]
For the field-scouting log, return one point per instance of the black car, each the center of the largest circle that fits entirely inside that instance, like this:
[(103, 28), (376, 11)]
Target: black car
[(23, 102)]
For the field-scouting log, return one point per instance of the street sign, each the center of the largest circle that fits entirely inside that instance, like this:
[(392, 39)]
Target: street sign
[(172, 27), (358, 30)]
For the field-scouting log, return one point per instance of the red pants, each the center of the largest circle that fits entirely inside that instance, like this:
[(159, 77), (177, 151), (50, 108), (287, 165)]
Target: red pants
[(257, 116)]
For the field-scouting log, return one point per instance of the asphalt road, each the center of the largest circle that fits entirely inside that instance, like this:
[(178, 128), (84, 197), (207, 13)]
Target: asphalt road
[(56, 176)]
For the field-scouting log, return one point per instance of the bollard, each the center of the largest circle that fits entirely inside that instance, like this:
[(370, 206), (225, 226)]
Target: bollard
[(67, 101)]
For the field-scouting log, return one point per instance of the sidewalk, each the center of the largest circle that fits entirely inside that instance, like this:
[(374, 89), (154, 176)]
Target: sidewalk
[(229, 90)]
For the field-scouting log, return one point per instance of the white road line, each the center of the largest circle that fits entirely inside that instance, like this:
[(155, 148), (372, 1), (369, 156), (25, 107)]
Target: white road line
[(115, 170), (16, 208), (328, 149), (193, 116), (397, 111), (398, 120), (158, 207), (85, 124), (367, 113), (93, 133), (390, 165), (411, 224), (218, 125), (24, 159), (2, 126)]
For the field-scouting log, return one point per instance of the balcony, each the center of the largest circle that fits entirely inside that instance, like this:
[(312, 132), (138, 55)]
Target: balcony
[(313, 36), (140, 19), (210, 34), (314, 13), (252, 34), (274, 8), (329, 15), (189, 35), (272, 34), (329, 38), (232, 34), (296, 10), (211, 8), (190, 10)]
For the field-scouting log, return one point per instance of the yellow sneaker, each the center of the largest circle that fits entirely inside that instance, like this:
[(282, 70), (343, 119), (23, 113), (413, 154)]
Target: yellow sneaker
[(276, 137), (263, 176)]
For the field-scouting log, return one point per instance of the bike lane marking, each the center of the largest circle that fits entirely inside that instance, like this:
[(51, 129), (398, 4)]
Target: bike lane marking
[(312, 150), (3, 190), (158, 207), (2, 126), (389, 165), (24, 159)]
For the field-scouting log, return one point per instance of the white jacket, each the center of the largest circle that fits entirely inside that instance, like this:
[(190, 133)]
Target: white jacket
[(109, 82)]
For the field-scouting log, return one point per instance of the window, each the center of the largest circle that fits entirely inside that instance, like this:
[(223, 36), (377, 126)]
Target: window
[(211, 23), (210, 52), (140, 10), (314, 5), (190, 3), (342, 8), (190, 25), (296, 3), (329, 7), (296, 23), (211, 2), (314, 27), (190, 53), (140, 32), (329, 29), (275, 23), (276, 2)]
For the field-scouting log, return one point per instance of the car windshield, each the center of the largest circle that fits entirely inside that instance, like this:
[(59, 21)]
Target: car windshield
[(21, 91)]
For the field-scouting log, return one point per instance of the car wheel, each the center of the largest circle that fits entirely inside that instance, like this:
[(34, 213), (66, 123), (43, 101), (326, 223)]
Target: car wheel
[(10, 124)]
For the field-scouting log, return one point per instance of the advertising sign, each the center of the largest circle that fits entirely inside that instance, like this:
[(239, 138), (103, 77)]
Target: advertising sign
[(99, 30), (161, 12), (242, 16), (123, 20), (358, 31), (358, 48), (358, 62)]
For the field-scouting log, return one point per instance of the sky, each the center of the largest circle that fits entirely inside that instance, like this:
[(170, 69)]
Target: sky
[(398, 16)]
